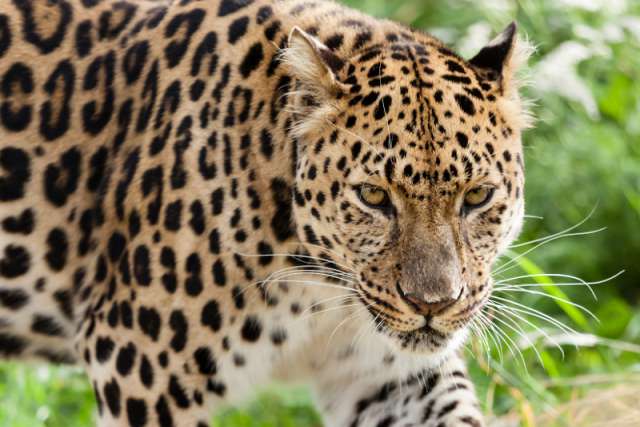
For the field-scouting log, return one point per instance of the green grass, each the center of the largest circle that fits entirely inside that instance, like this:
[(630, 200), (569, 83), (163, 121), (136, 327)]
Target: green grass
[(32, 395), (39, 396), (583, 155)]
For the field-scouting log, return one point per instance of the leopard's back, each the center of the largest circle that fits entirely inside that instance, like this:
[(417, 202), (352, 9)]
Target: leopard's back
[(99, 104), (103, 104), (199, 196)]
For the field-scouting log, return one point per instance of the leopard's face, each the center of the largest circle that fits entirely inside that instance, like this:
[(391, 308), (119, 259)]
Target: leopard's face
[(413, 179)]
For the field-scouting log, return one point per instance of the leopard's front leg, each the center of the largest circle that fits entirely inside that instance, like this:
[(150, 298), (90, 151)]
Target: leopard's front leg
[(440, 397)]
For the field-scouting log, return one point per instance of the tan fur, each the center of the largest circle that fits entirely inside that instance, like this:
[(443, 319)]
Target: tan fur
[(180, 204)]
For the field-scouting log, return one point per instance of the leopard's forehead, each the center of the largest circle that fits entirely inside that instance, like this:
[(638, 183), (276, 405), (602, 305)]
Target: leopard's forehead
[(428, 117)]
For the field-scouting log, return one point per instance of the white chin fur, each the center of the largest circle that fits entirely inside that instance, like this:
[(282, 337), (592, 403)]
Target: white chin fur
[(433, 358)]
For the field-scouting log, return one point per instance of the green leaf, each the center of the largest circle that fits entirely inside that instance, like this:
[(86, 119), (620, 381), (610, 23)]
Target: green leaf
[(615, 314)]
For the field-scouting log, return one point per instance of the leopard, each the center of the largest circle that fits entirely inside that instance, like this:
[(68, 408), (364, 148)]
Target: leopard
[(199, 198)]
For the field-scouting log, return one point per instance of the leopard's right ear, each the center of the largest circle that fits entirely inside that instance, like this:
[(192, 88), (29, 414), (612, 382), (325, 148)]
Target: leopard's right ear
[(314, 66), (500, 62), (502, 58), (495, 57)]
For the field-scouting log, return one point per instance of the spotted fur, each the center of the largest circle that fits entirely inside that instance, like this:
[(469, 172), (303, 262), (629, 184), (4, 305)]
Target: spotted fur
[(179, 206)]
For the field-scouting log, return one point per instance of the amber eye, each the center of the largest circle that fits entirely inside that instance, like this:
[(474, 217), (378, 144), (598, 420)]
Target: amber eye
[(477, 197), (373, 196)]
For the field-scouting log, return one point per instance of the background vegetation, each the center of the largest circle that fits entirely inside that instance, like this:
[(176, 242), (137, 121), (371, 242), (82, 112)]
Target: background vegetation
[(583, 168)]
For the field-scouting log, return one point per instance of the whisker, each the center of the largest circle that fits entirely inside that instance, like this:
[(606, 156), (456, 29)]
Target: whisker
[(535, 327), (510, 264), (511, 344), (535, 313), (297, 256), (346, 319), (579, 281), (297, 270), (494, 333), (533, 217), (362, 330), (306, 272), (319, 284), (496, 339), (330, 251), (514, 327), (337, 307), (563, 232), (478, 332), (553, 297), (486, 334), (324, 301), (266, 282)]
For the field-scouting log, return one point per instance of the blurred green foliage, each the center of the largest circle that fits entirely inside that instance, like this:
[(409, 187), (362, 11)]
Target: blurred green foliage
[(583, 155)]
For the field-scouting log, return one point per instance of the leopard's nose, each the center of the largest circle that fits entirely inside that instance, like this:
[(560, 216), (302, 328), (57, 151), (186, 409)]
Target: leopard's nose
[(425, 304)]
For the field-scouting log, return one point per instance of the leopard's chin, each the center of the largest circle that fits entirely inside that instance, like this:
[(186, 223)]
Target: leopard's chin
[(425, 340)]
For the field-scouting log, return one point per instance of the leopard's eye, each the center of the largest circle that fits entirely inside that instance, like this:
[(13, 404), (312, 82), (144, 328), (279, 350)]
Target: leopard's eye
[(373, 196), (477, 198)]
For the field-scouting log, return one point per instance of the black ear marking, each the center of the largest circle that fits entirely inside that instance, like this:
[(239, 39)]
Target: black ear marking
[(333, 61), (321, 52), (315, 65), (495, 55)]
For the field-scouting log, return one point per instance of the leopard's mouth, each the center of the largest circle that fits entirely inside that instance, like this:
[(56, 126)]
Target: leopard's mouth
[(383, 322), (428, 329), (423, 339), (407, 331)]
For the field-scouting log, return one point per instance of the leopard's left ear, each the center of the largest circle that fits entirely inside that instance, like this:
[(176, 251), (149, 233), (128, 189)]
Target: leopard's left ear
[(313, 64), (315, 69), (502, 57)]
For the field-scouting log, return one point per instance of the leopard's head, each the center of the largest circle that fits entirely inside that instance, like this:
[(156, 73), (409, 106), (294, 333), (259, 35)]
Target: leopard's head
[(410, 173)]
